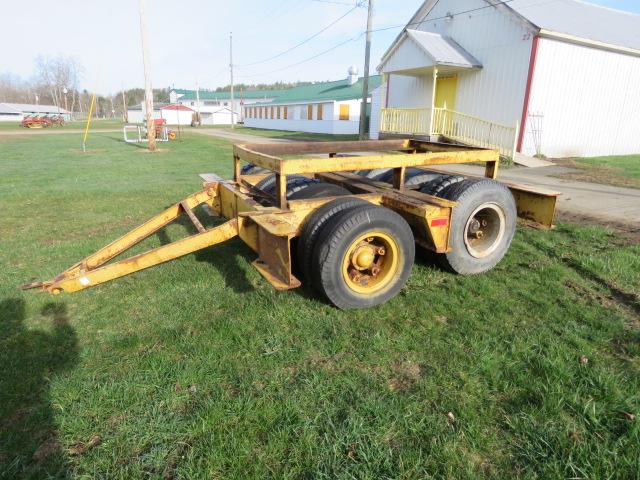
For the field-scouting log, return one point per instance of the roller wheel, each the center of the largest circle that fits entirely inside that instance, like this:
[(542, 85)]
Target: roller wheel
[(314, 225), (483, 225), (362, 257)]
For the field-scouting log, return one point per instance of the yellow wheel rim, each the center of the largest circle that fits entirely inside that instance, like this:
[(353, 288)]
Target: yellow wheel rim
[(371, 262)]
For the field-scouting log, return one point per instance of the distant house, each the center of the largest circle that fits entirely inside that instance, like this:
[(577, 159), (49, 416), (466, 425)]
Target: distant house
[(15, 112), (328, 107), (567, 71), (173, 113), (215, 107)]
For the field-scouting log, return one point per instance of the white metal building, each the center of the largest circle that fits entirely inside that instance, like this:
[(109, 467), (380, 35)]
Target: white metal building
[(327, 107), (15, 112), (566, 71)]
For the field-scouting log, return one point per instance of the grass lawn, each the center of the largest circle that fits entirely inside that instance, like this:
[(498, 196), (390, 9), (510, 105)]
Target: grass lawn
[(623, 171), (199, 369)]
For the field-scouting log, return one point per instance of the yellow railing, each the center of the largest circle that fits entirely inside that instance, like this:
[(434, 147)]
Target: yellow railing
[(453, 125), (405, 120)]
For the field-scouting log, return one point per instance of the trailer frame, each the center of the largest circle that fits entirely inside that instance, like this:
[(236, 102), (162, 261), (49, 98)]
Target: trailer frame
[(268, 228)]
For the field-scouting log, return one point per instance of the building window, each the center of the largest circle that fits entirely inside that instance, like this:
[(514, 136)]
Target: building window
[(344, 112), (278, 113), (192, 104), (320, 112), (285, 112), (303, 113), (310, 112)]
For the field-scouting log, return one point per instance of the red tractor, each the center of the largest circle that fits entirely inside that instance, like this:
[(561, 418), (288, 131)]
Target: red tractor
[(160, 124)]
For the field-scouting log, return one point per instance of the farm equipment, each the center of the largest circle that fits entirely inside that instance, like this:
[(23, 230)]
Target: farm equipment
[(36, 122), (343, 221), (163, 133)]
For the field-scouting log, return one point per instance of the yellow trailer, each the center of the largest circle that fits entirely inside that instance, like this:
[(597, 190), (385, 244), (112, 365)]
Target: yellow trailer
[(343, 217)]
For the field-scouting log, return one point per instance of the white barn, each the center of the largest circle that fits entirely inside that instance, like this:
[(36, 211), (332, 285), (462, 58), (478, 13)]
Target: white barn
[(556, 77), (326, 107)]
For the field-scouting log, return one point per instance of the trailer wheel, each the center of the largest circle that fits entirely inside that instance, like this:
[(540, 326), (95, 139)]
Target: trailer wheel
[(251, 169), (439, 184), (413, 176), (319, 190), (314, 225), (295, 183), (363, 257), (482, 225)]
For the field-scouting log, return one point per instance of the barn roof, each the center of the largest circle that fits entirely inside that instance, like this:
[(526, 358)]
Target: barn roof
[(326, 91), (32, 108), (8, 109), (616, 29), (583, 20), (443, 50)]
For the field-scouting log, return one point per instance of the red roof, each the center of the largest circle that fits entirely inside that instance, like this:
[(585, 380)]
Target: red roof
[(177, 107)]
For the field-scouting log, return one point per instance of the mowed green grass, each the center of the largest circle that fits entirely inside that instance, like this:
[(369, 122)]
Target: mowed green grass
[(199, 369), (624, 166)]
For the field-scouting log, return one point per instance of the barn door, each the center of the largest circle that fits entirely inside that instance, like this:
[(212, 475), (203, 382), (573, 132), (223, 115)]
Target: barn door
[(446, 88)]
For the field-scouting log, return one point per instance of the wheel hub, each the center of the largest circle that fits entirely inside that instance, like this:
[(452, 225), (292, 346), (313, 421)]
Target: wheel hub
[(485, 230), (371, 263)]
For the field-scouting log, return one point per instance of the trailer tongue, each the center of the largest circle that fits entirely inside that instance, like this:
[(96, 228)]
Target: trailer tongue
[(355, 232)]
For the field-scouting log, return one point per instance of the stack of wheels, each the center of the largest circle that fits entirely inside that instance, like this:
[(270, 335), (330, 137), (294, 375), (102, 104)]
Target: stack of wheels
[(358, 255), (413, 176), (300, 188), (483, 223), (251, 169)]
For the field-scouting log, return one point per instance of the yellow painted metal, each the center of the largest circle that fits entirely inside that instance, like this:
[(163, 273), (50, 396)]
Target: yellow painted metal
[(268, 230), (308, 165), (446, 89), (535, 207), (86, 130), (371, 262), (179, 248)]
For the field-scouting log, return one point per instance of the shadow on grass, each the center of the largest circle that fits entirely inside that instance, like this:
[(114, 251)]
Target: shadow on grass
[(29, 446)]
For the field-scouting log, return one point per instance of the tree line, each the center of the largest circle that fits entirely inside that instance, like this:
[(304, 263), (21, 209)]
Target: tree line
[(57, 79)]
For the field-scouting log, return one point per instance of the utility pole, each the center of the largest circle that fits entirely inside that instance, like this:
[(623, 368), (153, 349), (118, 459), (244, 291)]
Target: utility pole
[(198, 103), (148, 89), (233, 110), (365, 83), (125, 113)]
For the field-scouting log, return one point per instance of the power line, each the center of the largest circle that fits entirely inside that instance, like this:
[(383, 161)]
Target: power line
[(307, 40), (352, 39), (451, 15), (333, 2), (357, 37)]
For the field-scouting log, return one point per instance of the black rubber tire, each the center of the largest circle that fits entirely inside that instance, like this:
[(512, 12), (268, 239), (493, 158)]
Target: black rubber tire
[(374, 174), (251, 169), (295, 183), (413, 176), (319, 190), (470, 195), (314, 225), (336, 237), (437, 186)]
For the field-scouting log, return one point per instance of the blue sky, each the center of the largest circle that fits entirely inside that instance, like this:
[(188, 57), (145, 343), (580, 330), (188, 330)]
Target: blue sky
[(189, 38)]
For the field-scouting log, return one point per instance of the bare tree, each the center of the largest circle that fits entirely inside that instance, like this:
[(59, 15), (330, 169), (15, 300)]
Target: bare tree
[(54, 74)]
